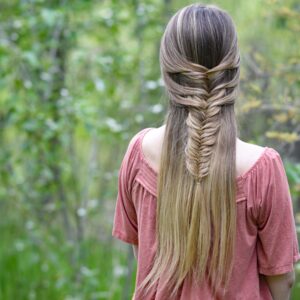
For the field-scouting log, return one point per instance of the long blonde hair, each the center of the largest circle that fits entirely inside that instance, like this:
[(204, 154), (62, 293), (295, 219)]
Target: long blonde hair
[(196, 202)]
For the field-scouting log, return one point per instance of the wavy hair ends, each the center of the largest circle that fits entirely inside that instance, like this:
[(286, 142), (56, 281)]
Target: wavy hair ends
[(196, 202)]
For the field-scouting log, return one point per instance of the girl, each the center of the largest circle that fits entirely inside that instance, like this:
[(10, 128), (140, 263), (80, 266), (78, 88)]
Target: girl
[(209, 216)]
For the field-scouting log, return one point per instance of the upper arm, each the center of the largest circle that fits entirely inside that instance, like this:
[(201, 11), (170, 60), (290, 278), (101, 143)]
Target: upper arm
[(125, 225), (287, 278)]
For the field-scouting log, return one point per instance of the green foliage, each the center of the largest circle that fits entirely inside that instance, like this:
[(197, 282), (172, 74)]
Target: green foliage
[(293, 174), (37, 268), (77, 79)]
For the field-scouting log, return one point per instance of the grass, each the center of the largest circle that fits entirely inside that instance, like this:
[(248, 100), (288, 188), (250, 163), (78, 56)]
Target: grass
[(36, 264)]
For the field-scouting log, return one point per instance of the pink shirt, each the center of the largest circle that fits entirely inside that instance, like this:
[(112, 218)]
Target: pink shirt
[(266, 240)]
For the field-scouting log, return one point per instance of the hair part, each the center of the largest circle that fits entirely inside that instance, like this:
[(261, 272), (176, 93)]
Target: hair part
[(196, 202)]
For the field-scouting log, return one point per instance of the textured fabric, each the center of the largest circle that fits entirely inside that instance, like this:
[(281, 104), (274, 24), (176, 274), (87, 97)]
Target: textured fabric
[(266, 240)]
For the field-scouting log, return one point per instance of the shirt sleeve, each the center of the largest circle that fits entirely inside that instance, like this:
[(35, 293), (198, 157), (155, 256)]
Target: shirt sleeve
[(277, 244), (125, 225)]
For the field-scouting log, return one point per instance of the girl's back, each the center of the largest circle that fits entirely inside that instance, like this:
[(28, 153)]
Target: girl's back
[(246, 154), (266, 241)]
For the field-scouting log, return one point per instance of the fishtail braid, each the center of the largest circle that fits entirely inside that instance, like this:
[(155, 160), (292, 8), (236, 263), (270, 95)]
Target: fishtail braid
[(204, 93), (220, 93)]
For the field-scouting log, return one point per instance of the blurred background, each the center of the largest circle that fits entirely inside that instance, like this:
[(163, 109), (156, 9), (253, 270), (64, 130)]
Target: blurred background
[(78, 78)]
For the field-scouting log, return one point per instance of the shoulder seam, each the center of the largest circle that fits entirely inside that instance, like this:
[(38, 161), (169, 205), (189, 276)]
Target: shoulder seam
[(134, 142), (133, 149), (274, 151)]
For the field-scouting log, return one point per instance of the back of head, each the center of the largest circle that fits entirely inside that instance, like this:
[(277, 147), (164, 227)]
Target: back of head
[(196, 211), (200, 35)]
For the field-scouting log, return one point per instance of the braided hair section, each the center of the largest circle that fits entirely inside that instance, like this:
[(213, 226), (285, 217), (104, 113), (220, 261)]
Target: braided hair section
[(203, 132), (204, 92)]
